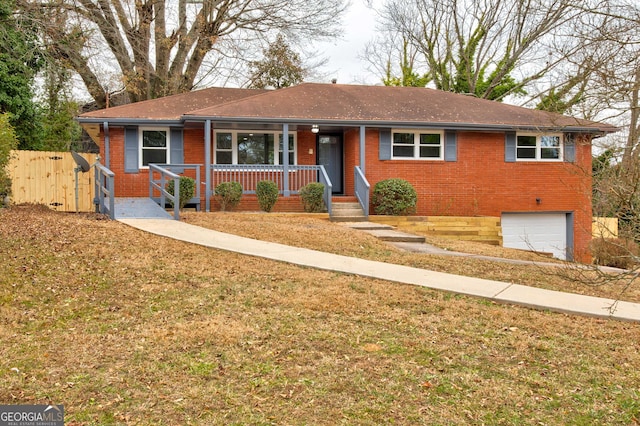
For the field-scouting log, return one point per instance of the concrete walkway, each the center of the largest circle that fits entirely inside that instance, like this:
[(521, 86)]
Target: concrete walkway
[(493, 290)]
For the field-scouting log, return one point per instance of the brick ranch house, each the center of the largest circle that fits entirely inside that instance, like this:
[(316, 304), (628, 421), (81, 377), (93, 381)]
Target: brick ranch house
[(464, 156)]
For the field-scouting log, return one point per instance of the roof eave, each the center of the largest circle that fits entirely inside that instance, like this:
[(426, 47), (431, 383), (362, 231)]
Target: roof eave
[(131, 121), (407, 124)]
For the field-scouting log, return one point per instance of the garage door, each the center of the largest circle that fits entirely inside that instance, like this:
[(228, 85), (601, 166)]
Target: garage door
[(543, 232)]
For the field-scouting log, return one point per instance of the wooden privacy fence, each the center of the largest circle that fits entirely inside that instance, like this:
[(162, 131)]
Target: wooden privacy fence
[(48, 178)]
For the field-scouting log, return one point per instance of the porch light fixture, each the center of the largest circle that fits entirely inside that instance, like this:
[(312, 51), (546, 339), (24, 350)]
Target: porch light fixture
[(315, 128)]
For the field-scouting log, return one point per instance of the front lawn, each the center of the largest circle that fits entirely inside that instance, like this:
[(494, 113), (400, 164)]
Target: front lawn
[(126, 328)]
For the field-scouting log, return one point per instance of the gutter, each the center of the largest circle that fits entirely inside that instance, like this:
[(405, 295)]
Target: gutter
[(599, 131)]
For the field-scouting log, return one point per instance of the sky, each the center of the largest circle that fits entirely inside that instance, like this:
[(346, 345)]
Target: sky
[(344, 64)]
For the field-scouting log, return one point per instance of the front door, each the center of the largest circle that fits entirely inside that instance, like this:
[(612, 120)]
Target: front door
[(330, 156)]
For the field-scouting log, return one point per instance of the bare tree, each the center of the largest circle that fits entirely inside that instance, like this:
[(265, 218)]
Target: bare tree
[(492, 48), (160, 47)]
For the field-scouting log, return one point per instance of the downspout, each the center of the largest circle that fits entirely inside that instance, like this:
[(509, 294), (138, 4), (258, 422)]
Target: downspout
[(285, 159), (207, 164), (362, 153), (107, 145)]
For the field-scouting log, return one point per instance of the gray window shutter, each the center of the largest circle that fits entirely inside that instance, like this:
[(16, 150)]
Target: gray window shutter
[(177, 148), (510, 147), (450, 146), (385, 144), (569, 148), (131, 145)]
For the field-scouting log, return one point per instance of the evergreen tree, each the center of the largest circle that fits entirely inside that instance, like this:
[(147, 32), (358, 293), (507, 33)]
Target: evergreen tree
[(20, 60), (280, 67)]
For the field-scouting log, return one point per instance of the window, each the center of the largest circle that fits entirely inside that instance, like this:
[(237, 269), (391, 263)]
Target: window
[(535, 147), (255, 148), (292, 149), (154, 147), (224, 148), (252, 148), (417, 145)]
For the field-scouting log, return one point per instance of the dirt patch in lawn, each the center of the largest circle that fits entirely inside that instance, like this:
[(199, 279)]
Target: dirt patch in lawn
[(127, 328)]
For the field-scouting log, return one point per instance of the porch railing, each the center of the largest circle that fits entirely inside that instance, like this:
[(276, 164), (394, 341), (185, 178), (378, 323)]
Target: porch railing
[(104, 191), (190, 170), (159, 185), (323, 177), (362, 190), (248, 175)]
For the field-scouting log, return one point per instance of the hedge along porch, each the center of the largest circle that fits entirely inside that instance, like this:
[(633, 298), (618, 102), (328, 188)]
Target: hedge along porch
[(464, 156)]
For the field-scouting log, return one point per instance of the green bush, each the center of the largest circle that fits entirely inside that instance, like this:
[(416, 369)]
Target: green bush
[(615, 252), (187, 189), (8, 141), (311, 195), (228, 194), (267, 192), (394, 197)]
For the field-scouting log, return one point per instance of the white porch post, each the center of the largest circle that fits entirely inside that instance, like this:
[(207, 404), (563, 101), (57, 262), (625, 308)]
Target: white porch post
[(362, 144), (207, 164), (285, 159)]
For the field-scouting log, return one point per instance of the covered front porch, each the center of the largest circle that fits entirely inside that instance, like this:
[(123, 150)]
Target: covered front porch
[(289, 179)]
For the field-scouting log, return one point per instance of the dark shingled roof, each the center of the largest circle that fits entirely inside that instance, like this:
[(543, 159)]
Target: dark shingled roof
[(383, 104), (349, 104)]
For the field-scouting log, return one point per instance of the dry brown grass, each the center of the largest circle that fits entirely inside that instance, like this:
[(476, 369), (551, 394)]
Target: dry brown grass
[(128, 328), (317, 232)]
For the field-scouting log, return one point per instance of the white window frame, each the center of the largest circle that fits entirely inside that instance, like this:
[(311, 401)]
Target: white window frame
[(539, 147), (234, 145), (416, 144), (141, 149)]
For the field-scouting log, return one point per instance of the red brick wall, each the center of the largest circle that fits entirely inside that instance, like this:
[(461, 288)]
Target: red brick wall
[(481, 183)]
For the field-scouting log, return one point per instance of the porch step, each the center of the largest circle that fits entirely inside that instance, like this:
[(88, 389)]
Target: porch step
[(347, 212)]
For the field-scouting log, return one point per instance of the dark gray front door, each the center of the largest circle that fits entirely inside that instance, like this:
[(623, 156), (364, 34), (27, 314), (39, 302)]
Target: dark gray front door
[(330, 156)]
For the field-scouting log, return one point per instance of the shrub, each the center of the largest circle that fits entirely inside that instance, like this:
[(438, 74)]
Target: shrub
[(394, 197), (267, 192), (187, 189), (615, 252), (311, 195), (228, 194)]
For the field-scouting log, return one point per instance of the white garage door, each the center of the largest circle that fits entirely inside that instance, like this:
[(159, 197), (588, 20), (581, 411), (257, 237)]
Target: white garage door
[(543, 232)]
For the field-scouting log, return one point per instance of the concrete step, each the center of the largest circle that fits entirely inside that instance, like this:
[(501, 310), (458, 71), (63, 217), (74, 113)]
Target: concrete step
[(347, 212), (370, 226), (348, 218), (397, 236), (346, 206)]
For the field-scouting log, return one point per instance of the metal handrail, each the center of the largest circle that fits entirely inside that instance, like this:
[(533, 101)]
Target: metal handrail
[(362, 190), (104, 183)]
